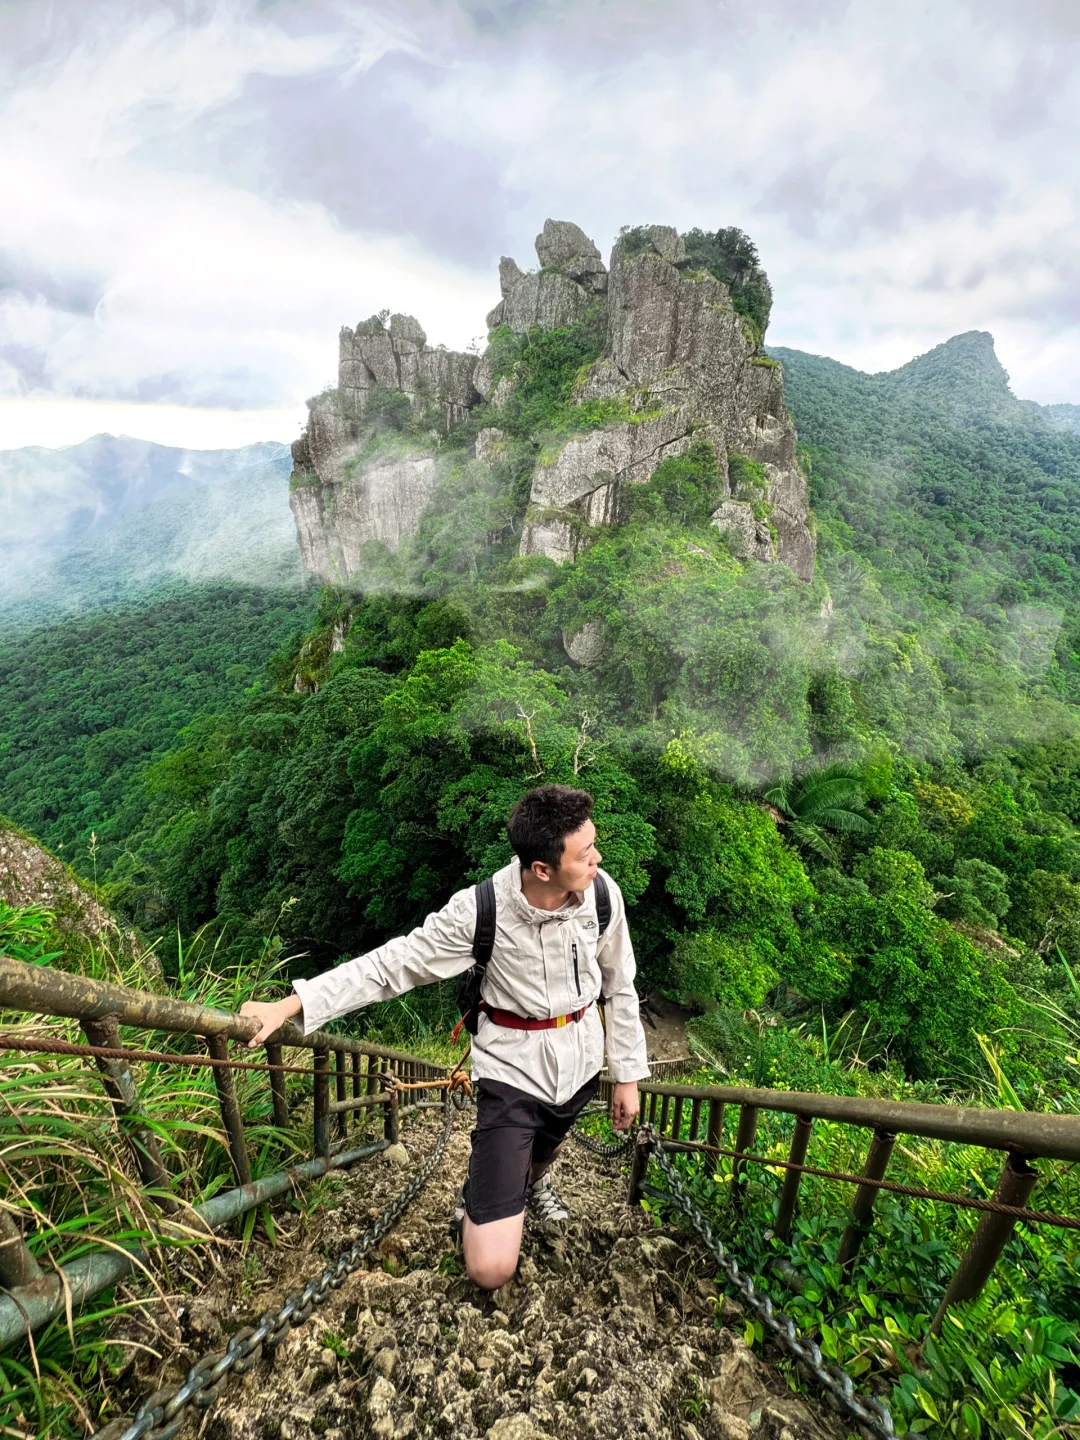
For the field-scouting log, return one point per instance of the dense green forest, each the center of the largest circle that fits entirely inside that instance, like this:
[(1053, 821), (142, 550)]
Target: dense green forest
[(88, 702)]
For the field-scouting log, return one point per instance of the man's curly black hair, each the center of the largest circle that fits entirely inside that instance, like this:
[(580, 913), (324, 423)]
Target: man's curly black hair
[(542, 819)]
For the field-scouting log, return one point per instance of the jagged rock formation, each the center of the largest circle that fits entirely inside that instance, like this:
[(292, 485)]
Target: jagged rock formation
[(605, 1333), (341, 495), (688, 368), (679, 364)]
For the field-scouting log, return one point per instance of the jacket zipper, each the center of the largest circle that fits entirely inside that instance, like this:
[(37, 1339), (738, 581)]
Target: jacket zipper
[(577, 977)]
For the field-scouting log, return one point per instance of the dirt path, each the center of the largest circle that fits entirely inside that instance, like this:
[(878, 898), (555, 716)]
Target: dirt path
[(608, 1329)]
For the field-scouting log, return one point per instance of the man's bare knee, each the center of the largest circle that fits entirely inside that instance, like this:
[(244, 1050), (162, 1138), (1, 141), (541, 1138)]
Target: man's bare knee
[(487, 1274), (491, 1250)]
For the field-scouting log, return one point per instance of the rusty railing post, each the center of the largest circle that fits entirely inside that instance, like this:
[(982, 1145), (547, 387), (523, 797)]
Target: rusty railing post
[(1018, 1179), (218, 1046), (695, 1117), (665, 1113), (124, 1097), (676, 1119), (357, 1084), (744, 1141), (638, 1167), (341, 1060), (321, 1105), (277, 1087), (715, 1134), (877, 1162), (785, 1210), (17, 1264)]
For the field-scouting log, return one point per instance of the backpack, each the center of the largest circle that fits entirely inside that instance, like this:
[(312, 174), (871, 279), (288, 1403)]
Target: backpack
[(484, 942)]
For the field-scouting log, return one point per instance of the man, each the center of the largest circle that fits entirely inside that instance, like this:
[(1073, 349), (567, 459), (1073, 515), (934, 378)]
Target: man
[(539, 1048)]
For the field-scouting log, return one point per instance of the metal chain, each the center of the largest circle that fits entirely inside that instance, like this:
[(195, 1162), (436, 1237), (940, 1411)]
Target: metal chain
[(161, 1415), (601, 1147), (871, 1414)]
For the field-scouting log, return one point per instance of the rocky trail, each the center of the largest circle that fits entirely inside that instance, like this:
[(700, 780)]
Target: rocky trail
[(609, 1329)]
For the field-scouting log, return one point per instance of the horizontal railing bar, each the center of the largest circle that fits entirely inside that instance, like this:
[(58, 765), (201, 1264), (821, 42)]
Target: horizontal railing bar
[(34, 1305), (358, 1102), (41, 990), (1053, 1137)]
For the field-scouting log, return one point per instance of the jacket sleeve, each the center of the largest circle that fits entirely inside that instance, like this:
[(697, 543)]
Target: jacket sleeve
[(436, 950), (627, 1054)]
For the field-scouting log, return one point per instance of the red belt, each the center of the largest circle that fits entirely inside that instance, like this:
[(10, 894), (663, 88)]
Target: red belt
[(519, 1022)]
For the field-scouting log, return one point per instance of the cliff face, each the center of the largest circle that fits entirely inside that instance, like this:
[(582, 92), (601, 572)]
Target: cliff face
[(679, 364)]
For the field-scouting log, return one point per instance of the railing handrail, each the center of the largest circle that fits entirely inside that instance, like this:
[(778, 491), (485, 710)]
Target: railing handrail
[(1051, 1137), (41, 990)]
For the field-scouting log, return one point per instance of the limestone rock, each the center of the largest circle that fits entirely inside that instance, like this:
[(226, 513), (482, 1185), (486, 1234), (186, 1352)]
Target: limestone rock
[(683, 361), (510, 272), (566, 247), (582, 484), (783, 1417), (740, 1387), (550, 299), (514, 1427), (490, 442), (753, 537), (586, 646), (561, 241), (398, 357), (382, 499), (674, 337)]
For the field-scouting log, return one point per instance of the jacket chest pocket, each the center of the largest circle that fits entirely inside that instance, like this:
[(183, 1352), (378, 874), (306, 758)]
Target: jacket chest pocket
[(583, 952)]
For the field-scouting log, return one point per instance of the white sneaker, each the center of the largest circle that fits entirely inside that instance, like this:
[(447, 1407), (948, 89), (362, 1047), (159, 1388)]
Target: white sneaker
[(545, 1202)]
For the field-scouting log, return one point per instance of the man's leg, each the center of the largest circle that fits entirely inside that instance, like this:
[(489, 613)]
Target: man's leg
[(502, 1150)]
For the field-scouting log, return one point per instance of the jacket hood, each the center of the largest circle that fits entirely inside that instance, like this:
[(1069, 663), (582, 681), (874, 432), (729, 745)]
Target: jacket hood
[(531, 913)]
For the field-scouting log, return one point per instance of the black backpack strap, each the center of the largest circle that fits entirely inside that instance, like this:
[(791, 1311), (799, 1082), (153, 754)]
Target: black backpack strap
[(484, 934), (603, 902)]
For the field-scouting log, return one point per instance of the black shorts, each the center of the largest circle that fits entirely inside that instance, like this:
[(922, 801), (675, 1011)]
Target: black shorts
[(514, 1131)]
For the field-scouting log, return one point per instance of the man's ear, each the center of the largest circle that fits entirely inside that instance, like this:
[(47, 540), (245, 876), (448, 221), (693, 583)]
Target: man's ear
[(542, 870)]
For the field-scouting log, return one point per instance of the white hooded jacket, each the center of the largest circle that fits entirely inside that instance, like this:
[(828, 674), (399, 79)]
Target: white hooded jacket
[(544, 963)]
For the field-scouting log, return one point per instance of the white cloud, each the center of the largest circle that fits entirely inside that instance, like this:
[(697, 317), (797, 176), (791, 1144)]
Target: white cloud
[(52, 422), (907, 172)]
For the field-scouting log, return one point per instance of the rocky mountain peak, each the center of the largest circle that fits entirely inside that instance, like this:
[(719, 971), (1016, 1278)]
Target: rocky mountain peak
[(680, 362)]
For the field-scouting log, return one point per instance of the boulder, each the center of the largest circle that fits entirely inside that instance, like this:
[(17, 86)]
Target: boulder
[(586, 646)]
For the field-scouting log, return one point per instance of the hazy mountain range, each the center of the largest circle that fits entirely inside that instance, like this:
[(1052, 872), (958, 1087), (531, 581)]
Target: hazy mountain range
[(102, 521)]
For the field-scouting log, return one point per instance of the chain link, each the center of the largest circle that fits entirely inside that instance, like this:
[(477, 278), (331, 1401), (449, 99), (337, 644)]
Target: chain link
[(601, 1147), (161, 1415), (871, 1414)]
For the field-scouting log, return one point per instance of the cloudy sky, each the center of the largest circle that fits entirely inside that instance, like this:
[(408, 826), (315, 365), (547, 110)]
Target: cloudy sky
[(198, 195)]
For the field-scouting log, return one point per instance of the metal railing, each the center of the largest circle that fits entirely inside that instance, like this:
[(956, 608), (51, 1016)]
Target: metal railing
[(364, 1078), (691, 1118)]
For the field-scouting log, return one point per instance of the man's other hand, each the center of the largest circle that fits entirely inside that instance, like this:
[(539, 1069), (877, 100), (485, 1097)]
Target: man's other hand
[(624, 1105), (271, 1015)]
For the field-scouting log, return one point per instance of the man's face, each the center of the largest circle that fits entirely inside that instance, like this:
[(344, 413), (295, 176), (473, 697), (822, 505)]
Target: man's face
[(577, 865)]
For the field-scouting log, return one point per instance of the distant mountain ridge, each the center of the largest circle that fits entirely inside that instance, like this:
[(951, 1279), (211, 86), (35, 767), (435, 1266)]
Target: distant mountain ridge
[(115, 517)]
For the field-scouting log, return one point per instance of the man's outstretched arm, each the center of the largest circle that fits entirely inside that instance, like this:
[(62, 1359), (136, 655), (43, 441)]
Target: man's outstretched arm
[(436, 950)]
